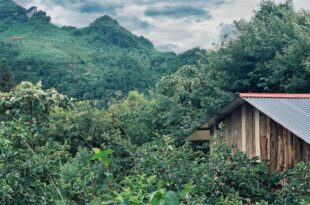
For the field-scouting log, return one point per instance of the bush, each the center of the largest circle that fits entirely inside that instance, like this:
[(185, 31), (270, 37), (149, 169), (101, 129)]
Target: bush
[(297, 188)]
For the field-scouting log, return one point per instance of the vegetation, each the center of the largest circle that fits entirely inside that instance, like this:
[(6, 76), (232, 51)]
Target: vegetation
[(57, 150), (6, 79), (99, 62)]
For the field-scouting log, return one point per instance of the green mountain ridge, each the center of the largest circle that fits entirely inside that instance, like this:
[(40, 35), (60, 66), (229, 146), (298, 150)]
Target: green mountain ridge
[(101, 61)]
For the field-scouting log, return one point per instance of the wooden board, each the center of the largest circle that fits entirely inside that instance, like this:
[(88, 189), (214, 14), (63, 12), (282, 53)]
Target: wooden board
[(281, 148), (243, 128), (250, 131), (238, 127), (257, 134), (273, 146), (199, 135), (263, 136), (234, 128)]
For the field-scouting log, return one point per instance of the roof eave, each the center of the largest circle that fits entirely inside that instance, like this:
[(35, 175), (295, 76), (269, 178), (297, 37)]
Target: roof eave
[(224, 112)]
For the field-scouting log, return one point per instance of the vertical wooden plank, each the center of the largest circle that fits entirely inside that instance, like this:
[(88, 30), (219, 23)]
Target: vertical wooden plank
[(239, 129), (285, 151), (263, 136), (232, 129), (250, 131), (296, 149), (281, 146), (243, 128), (274, 145), (308, 151), (290, 150), (268, 137), (305, 151), (257, 135)]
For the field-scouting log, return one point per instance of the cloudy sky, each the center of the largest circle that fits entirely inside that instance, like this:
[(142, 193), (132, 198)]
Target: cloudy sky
[(172, 25)]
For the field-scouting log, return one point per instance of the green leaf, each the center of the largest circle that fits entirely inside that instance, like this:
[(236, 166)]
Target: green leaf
[(170, 198), (156, 197), (101, 154)]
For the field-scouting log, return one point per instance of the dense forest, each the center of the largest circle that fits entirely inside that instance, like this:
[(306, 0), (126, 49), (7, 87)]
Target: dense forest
[(62, 149)]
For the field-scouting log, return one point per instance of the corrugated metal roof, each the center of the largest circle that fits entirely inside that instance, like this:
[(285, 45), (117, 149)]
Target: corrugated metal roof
[(293, 113)]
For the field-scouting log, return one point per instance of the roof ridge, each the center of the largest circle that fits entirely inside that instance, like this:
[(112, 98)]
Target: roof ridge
[(274, 95)]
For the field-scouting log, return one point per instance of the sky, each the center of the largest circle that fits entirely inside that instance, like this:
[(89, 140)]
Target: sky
[(172, 25)]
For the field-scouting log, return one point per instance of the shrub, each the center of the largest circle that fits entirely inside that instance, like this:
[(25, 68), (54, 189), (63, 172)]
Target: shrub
[(297, 188)]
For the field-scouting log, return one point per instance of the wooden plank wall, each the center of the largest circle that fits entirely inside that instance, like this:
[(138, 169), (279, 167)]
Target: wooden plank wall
[(265, 138), (232, 129), (287, 148)]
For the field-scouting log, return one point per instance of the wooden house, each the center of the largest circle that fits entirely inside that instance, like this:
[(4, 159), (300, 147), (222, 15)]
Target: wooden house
[(274, 127)]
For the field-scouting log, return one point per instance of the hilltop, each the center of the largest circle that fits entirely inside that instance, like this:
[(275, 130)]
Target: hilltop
[(101, 61)]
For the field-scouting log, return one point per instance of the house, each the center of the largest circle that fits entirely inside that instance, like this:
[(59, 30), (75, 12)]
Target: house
[(274, 127)]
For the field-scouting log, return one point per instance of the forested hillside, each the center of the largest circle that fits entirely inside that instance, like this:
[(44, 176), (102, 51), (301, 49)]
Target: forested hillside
[(99, 62), (59, 150)]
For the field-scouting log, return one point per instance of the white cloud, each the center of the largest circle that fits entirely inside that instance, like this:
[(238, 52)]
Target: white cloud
[(166, 32)]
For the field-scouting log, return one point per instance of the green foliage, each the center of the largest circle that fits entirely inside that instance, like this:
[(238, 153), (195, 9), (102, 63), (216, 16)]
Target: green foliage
[(220, 174), (176, 166), (101, 62), (135, 189), (31, 102), (106, 31), (80, 180), (297, 188), (269, 53), (29, 161), (142, 190), (46, 139), (6, 79), (186, 98), (230, 172), (82, 127), (40, 151), (133, 117)]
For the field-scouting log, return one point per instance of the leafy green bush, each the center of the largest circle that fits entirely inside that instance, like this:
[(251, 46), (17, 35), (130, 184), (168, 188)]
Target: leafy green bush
[(29, 161), (230, 172), (218, 174), (137, 189), (297, 186), (80, 180)]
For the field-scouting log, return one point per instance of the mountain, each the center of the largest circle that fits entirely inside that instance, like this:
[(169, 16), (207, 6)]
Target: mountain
[(101, 61)]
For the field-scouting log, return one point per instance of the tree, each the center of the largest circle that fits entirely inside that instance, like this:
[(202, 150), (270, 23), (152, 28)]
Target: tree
[(6, 79), (28, 159), (268, 53)]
